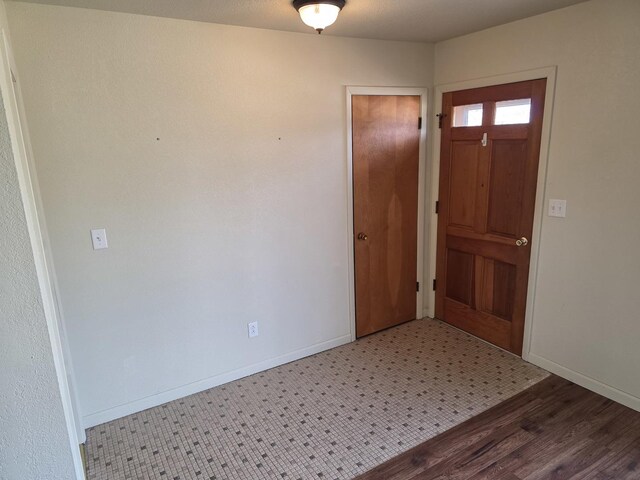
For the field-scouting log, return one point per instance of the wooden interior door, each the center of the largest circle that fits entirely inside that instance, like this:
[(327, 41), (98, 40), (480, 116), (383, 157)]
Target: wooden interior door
[(386, 139), (490, 151)]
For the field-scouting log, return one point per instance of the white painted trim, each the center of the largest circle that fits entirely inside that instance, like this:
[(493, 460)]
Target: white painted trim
[(603, 389), (207, 383), (25, 178), (550, 74), (422, 169)]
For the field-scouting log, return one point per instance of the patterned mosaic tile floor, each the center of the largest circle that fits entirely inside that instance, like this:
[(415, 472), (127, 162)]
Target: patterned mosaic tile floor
[(334, 415)]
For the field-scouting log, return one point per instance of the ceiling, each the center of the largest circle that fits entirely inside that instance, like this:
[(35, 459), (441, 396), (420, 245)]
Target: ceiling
[(409, 20)]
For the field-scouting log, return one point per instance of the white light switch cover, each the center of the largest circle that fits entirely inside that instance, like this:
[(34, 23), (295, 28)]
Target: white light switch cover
[(99, 238), (557, 208)]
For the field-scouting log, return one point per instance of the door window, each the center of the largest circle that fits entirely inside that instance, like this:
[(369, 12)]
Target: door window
[(467, 115), (512, 112)]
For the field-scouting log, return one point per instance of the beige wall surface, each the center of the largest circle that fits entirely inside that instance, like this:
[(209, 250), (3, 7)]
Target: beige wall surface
[(586, 317), (215, 157)]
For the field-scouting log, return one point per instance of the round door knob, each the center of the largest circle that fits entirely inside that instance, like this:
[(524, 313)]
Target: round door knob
[(522, 242), (362, 236)]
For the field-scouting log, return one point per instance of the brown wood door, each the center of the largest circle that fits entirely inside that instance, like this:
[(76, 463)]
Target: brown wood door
[(386, 140), (488, 173)]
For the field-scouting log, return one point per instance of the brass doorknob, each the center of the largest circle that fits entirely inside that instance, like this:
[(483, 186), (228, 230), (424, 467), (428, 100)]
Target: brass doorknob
[(522, 242), (362, 236)]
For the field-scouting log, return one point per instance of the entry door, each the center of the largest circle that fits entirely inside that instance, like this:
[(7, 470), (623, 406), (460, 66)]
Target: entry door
[(386, 140), (488, 173)]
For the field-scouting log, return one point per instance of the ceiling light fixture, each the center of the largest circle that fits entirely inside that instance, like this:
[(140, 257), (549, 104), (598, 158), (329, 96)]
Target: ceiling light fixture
[(318, 14)]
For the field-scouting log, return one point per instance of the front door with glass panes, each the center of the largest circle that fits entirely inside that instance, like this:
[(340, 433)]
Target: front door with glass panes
[(490, 149)]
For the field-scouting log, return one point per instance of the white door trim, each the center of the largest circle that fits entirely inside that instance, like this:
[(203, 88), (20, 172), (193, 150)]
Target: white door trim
[(422, 168), (434, 173), (21, 152)]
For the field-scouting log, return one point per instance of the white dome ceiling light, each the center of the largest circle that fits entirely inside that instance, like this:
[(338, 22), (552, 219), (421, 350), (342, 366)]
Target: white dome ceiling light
[(318, 14)]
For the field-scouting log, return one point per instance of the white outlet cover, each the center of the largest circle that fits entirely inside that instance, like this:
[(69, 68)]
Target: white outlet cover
[(99, 238), (253, 329), (557, 208)]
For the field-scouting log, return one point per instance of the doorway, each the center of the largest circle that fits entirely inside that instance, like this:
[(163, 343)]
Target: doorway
[(489, 157), (386, 175)]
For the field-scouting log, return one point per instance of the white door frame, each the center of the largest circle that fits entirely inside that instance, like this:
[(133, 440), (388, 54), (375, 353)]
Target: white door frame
[(28, 189), (434, 173), (422, 163)]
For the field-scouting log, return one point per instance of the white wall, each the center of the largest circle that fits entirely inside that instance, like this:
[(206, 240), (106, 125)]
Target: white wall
[(34, 441), (587, 307), (215, 157)]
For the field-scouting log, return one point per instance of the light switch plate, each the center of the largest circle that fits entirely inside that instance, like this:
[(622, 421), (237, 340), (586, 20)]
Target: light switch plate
[(99, 238), (557, 208)]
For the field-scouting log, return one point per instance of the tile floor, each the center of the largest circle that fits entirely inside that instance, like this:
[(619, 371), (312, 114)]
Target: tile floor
[(334, 415)]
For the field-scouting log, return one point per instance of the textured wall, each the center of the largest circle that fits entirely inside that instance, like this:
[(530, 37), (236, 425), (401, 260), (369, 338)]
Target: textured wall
[(215, 156), (587, 302), (33, 436)]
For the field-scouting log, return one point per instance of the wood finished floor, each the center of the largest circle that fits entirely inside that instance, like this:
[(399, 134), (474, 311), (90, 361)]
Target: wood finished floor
[(554, 430)]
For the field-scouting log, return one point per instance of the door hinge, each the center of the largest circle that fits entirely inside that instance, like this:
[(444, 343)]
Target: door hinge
[(440, 119), (434, 284), (437, 206), (419, 123), (417, 286)]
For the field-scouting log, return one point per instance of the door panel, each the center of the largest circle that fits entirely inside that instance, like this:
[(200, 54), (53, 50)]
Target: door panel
[(488, 176), (460, 272), (508, 166), (498, 287), (385, 184), (464, 166)]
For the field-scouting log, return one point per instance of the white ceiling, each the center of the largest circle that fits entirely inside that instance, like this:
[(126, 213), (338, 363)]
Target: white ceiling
[(410, 20)]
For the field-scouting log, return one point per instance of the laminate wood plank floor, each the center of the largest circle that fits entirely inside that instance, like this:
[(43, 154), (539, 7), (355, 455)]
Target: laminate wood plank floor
[(553, 430)]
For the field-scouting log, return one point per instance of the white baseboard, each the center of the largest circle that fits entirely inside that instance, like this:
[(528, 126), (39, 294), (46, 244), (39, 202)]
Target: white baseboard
[(587, 382), (195, 387)]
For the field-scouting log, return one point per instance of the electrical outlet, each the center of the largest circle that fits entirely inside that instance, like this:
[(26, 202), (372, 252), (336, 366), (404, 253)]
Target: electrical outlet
[(253, 329)]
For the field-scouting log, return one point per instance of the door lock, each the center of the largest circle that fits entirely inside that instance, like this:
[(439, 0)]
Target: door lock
[(362, 236)]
